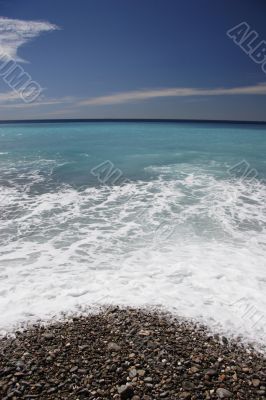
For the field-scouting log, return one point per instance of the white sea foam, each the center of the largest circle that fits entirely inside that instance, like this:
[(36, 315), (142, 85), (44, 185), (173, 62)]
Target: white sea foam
[(187, 241)]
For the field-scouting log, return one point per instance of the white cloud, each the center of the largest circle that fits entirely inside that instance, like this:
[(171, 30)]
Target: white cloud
[(15, 33), (9, 96), (139, 95), (10, 100)]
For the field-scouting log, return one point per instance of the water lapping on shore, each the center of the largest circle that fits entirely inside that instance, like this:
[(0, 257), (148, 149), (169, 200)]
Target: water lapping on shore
[(191, 239)]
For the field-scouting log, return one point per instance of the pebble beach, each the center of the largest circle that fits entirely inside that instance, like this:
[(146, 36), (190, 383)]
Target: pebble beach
[(127, 353)]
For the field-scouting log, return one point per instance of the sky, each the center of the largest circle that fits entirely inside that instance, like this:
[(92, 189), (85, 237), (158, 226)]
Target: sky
[(132, 59)]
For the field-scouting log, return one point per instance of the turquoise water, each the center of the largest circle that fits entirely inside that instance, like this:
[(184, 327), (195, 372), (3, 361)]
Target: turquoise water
[(169, 214), (75, 148)]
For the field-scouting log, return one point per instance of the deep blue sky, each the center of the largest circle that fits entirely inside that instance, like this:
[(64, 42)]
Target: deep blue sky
[(104, 47)]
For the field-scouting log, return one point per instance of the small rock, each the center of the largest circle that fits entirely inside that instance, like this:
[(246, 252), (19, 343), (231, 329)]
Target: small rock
[(221, 377), (224, 340), (19, 365), (141, 372), (211, 372), (132, 373), (148, 379), (84, 391), (235, 377), (185, 395), (126, 392), (144, 332), (149, 385), (187, 385), (193, 370), (82, 371), (223, 393), (113, 347), (83, 347), (51, 390), (256, 382), (48, 336)]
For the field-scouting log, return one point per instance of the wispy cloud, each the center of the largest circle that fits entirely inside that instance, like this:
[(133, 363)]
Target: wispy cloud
[(140, 95), (15, 33), (13, 100), (7, 97)]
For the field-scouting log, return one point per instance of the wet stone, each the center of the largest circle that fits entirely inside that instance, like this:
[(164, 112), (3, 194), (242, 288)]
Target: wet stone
[(127, 353)]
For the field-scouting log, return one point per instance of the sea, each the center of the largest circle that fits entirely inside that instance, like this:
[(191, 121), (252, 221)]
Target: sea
[(167, 215)]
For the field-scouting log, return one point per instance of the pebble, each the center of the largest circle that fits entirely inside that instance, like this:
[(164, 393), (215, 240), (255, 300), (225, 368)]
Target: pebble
[(185, 395), (126, 392), (211, 372), (193, 370), (163, 395), (188, 385), (148, 379), (132, 373), (113, 347), (48, 336), (255, 382), (223, 393)]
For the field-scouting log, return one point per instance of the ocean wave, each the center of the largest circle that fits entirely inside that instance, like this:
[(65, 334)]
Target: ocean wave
[(189, 240)]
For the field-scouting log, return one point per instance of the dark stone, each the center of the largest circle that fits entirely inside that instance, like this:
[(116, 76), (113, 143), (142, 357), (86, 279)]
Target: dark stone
[(126, 392)]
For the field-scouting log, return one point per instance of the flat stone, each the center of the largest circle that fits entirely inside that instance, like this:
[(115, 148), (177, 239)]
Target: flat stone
[(185, 395), (144, 332), (48, 336), (126, 392), (256, 382), (163, 395), (193, 369), (211, 372), (113, 347), (132, 372), (223, 393), (148, 379), (188, 385)]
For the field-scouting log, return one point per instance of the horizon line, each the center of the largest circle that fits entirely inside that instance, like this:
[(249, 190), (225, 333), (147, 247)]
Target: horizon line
[(187, 120)]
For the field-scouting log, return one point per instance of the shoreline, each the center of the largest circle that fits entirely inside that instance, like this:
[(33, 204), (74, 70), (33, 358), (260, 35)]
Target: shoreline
[(119, 353), (254, 343)]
